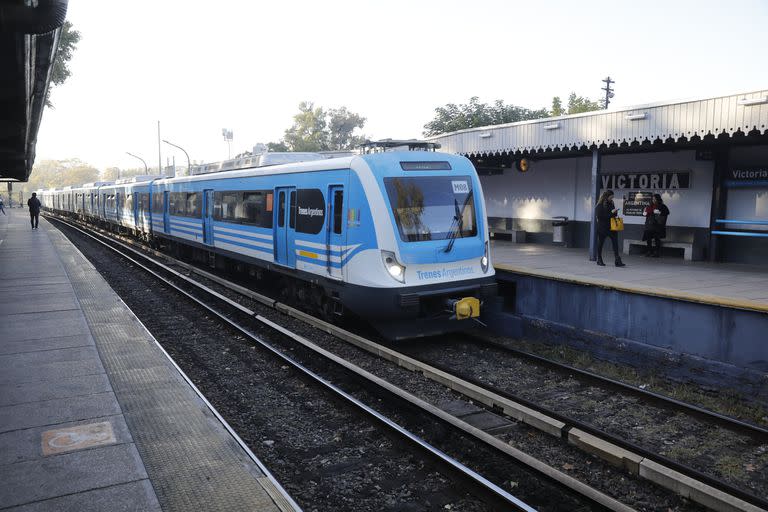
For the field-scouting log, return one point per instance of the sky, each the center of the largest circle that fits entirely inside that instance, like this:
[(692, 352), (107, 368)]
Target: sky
[(198, 67)]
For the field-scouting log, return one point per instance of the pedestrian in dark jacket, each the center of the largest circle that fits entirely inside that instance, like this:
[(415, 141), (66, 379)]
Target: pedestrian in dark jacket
[(656, 215), (34, 210), (604, 211)]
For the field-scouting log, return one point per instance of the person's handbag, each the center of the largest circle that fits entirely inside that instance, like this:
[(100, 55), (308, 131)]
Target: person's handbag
[(617, 224)]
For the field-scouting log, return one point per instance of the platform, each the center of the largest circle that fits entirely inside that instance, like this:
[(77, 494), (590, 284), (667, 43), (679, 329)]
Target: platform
[(93, 416), (725, 284), (711, 316)]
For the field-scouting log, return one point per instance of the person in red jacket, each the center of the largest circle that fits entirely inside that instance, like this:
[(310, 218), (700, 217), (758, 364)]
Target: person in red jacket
[(656, 215)]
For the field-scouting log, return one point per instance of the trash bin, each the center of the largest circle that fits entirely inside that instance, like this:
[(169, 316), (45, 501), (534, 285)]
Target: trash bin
[(560, 230)]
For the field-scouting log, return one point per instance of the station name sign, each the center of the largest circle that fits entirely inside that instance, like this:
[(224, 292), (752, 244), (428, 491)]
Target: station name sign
[(748, 174), (662, 180)]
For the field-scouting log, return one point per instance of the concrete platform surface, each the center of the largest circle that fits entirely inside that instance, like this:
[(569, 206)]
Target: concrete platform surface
[(725, 284), (92, 414)]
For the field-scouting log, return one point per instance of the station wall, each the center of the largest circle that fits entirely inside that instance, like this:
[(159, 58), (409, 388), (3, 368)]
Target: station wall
[(561, 187), (748, 203)]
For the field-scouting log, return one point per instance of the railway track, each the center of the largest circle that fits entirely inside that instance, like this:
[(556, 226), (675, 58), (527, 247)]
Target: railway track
[(626, 424), (696, 485), (539, 485)]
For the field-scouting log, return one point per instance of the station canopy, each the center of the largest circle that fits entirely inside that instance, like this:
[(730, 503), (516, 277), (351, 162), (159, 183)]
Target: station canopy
[(29, 35), (738, 116)]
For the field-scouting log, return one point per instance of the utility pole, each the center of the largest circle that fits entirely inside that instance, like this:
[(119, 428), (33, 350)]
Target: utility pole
[(608, 90)]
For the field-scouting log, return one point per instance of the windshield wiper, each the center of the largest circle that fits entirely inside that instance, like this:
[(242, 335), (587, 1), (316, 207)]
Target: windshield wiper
[(458, 221)]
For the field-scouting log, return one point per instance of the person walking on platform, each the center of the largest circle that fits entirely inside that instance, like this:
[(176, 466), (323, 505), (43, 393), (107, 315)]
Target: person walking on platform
[(604, 212), (2, 206), (34, 210), (656, 215)]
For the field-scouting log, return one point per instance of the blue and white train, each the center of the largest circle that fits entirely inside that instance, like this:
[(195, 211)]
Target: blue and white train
[(397, 238)]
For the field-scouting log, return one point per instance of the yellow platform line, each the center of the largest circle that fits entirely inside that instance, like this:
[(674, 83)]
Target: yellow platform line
[(666, 293)]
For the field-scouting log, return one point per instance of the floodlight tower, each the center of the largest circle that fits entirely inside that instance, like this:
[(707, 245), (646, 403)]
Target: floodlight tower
[(228, 137)]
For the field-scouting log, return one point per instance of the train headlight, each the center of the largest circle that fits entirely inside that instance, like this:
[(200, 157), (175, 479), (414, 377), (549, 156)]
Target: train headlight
[(484, 260), (394, 268)]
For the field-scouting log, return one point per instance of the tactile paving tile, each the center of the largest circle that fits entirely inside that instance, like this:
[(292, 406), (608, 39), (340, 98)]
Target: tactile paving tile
[(192, 461)]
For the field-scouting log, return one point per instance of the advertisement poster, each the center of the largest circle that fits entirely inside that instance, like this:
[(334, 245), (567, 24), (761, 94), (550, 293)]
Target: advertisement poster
[(635, 203)]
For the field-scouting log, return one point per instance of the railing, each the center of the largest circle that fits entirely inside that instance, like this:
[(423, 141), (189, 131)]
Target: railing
[(756, 234)]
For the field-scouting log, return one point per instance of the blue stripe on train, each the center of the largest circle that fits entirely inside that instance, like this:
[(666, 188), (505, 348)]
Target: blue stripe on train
[(242, 244), (219, 232), (186, 232), (321, 263)]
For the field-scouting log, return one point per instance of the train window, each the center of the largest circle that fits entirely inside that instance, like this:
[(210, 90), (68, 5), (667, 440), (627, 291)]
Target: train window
[(253, 207), (194, 205), (177, 202), (144, 202), (157, 202), (257, 208), (281, 210), (310, 211), (225, 205), (338, 205), (432, 207), (292, 212), (129, 202)]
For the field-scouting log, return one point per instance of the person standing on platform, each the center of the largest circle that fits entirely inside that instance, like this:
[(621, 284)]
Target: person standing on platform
[(34, 210), (2, 206), (656, 215), (604, 211)]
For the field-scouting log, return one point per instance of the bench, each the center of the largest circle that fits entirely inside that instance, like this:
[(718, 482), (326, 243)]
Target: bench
[(687, 248), (515, 235)]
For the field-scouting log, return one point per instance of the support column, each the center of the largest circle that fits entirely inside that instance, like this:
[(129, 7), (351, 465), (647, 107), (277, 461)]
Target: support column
[(595, 191), (719, 201)]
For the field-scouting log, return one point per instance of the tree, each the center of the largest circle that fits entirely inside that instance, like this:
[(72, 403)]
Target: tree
[(452, 117), (308, 132), (67, 42), (315, 129), (576, 105), (59, 173), (277, 146), (341, 125), (557, 107), (112, 173)]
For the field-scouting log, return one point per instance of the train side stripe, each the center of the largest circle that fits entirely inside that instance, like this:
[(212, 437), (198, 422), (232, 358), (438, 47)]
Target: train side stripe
[(254, 234), (219, 236)]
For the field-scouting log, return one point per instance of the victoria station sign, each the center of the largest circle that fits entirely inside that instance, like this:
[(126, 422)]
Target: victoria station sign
[(662, 180)]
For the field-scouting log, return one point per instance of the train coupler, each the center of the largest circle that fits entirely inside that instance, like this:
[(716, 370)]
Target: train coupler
[(461, 309)]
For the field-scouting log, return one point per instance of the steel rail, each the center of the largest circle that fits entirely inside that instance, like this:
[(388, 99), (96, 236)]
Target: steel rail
[(727, 421), (494, 491), (717, 484), (570, 423)]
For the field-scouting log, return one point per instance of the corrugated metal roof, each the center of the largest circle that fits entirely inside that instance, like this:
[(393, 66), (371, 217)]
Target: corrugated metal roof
[(738, 113)]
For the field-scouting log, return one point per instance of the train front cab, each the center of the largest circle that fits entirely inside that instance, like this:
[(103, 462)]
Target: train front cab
[(437, 257)]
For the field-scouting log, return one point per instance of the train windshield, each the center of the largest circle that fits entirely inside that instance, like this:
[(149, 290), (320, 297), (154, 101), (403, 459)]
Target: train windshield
[(432, 207)]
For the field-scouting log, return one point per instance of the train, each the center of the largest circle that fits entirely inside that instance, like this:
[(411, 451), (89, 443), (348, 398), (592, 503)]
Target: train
[(396, 238)]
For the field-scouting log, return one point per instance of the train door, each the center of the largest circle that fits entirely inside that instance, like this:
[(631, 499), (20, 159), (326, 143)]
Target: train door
[(166, 217), (208, 216), (118, 209), (136, 209), (141, 209), (336, 231), (285, 226)]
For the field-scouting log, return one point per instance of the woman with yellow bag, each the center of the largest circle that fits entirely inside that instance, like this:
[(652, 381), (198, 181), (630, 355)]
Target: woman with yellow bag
[(608, 225)]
